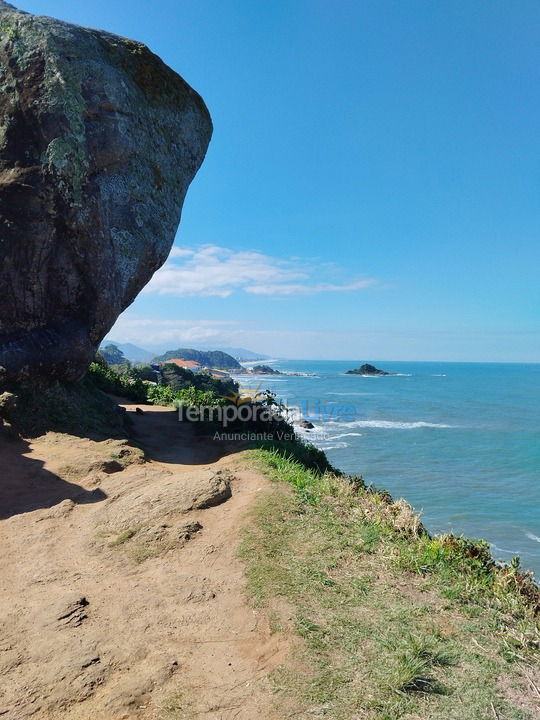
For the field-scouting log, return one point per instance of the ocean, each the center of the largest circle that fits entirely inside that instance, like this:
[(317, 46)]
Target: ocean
[(459, 441)]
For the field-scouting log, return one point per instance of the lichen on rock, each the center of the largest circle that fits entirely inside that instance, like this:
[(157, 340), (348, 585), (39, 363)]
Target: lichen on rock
[(99, 141)]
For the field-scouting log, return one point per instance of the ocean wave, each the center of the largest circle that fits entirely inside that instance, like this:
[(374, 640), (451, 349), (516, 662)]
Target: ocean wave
[(387, 376), (290, 373), (532, 537), (337, 446), (504, 550), (388, 424), (252, 363), (262, 379), (307, 431), (365, 376), (381, 376), (342, 435), (439, 375)]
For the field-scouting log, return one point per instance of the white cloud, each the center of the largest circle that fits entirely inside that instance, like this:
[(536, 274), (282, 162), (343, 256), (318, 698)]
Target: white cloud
[(153, 333), (299, 289), (215, 271), (131, 327), (177, 252)]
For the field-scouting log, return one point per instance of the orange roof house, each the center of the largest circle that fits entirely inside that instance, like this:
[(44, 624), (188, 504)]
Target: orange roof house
[(186, 364)]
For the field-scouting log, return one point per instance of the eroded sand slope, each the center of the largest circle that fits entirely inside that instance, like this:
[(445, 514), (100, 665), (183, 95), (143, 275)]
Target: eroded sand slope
[(121, 594)]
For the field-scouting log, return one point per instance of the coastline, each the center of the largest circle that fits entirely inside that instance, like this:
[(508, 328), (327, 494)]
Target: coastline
[(446, 436), (388, 605), (258, 576)]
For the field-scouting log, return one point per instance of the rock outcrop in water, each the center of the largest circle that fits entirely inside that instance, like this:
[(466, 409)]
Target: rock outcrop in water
[(99, 141), (264, 370), (367, 369)]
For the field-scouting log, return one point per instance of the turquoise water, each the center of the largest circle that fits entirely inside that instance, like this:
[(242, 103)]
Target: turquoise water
[(459, 441)]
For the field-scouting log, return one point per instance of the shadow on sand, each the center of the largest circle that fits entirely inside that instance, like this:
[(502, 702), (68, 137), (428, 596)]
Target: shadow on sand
[(169, 441), (25, 485)]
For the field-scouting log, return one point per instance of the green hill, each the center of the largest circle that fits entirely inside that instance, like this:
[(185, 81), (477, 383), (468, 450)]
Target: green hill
[(211, 358)]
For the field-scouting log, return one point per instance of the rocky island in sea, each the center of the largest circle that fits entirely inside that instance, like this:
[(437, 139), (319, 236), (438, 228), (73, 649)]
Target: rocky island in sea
[(267, 370), (367, 369), (264, 370)]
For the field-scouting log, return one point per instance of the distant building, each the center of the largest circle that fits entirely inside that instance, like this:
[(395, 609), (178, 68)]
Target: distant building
[(195, 367)]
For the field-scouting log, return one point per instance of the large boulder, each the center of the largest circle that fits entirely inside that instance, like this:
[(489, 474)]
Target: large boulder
[(99, 141)]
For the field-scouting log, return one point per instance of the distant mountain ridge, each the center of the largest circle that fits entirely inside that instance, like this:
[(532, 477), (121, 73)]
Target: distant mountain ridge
[(136, 354), (133, 353), (243, 355), (211, 358), (238, 353)]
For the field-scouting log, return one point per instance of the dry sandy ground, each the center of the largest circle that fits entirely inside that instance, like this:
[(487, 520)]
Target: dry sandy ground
[(120, 592)]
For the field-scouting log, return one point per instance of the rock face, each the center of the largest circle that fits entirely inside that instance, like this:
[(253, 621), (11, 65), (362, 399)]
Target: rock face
[(167, 494), (367, 369), (99, 141), (306, 424)]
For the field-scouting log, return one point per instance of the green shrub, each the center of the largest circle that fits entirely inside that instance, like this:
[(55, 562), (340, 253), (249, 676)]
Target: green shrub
[(160, 394), (191, 397), (131, 386), (109, 381), (469, 573), (145, 372), (181, 378)]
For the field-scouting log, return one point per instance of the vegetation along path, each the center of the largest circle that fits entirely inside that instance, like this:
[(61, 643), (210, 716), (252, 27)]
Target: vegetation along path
[(192, 580)]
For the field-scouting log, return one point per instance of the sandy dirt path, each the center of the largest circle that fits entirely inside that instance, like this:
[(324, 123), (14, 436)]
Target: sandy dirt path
[(121, 595)]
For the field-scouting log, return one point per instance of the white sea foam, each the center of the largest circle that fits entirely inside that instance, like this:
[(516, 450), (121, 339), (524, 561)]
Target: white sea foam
[(262, 379), (252, 363), (342, 435), (532, 537), (307, 431), (381, 376), (504, 550), (439, 375), (297, 374), (387, 376), (337, 446), (388, 424)]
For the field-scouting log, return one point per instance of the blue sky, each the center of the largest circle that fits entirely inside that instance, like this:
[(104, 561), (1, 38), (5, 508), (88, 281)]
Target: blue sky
[(372, 187)]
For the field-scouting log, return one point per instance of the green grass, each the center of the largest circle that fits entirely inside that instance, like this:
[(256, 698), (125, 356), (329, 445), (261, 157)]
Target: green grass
[(176, 707), (388, 622), (123, 537), (140, 550)]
